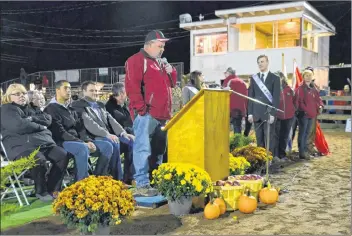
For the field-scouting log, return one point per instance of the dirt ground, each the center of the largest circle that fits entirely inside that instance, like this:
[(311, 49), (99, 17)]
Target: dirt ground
[(318, 202)]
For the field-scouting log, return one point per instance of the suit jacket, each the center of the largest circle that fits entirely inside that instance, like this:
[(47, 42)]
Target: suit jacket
[(258, 111)]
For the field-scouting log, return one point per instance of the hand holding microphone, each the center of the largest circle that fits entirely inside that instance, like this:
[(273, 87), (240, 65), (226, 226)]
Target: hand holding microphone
[(167, 66)]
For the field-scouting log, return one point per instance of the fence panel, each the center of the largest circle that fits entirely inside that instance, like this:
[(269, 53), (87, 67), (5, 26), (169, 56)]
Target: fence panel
[(336, 112)]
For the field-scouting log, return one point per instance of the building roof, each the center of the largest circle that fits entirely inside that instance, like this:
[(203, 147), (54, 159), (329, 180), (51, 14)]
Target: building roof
[(265, 12)]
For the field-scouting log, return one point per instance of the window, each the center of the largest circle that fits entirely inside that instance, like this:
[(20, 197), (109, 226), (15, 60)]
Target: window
[(310, 40), (271, 34), (210, 43)]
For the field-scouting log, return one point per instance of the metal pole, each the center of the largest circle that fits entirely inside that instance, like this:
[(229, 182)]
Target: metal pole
[(267, 143)]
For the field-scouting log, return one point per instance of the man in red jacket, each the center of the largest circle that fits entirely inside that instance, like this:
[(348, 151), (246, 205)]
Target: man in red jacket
[(148, 83), (238, 104)]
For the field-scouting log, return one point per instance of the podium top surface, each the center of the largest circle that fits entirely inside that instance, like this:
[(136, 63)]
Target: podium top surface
[(189, 104)]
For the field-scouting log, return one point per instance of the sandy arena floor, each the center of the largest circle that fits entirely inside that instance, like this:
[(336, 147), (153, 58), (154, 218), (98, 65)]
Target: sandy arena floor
[(318, 202)]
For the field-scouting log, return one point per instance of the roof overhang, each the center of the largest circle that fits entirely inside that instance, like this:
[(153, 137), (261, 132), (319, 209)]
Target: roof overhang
[(261, 10), (205, 24)]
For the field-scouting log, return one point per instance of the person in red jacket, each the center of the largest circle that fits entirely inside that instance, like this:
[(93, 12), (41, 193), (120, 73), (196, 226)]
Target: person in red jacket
[(284, 120), (308, 103), (148, 84), (238, 104)]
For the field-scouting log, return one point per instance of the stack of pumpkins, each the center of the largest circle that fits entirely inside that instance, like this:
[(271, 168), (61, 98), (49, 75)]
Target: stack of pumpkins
[(248, 204), (215, 208)]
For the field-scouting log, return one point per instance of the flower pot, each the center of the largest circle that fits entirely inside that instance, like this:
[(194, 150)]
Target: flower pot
[(181, 206), (101, 230)]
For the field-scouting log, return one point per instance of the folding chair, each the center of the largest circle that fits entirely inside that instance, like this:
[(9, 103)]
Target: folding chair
[(5, 162)]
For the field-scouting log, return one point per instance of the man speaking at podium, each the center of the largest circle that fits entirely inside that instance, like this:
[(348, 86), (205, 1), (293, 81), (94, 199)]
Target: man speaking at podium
[(149, 79), (265, 87)]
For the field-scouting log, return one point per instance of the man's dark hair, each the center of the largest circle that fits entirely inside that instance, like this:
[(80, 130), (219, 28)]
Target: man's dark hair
[(85, 84), (117, 88), (59, 83), (262, 56)]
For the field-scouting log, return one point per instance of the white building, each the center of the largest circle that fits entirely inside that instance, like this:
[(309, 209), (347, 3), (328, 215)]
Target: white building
[(239, 36)]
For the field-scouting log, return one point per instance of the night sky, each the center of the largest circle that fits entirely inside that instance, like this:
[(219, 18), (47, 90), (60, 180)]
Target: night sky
[(47, 42)]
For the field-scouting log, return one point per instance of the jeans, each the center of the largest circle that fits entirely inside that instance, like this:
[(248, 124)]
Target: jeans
[(237, 124), (81, 153), (143, 128), (305, 125), (115, 164), (282, 132)]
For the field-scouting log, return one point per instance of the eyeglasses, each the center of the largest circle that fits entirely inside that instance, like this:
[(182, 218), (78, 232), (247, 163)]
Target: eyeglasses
[(19, 94)]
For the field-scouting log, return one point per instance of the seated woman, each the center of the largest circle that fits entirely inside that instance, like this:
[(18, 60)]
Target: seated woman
[(24, 129), (36, 99), (194, 84)]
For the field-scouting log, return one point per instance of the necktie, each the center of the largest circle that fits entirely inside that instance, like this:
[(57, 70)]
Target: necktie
[(262, 78)]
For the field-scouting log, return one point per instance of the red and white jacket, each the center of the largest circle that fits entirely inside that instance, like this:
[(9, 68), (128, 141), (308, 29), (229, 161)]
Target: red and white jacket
[(148, 86)]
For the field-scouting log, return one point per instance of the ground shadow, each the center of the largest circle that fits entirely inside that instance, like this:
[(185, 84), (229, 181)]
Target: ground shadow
[(150, 225), (40, 227)]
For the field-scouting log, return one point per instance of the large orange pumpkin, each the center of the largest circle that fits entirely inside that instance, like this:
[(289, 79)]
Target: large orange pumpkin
[(211, 211), (247, 204), (222, 205), (268, 195)]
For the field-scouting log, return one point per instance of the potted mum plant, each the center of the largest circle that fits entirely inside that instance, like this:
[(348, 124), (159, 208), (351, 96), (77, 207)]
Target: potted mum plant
[(238, 165), (179, 182), (93, 204)]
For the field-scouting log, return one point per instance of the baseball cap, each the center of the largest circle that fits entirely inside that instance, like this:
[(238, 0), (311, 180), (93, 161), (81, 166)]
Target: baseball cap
[(156, 35), (230, 71)]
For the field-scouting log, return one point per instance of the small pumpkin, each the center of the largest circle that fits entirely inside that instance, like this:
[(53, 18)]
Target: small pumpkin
[(221, 204), (247, 203), (211, 211), (268, 195)]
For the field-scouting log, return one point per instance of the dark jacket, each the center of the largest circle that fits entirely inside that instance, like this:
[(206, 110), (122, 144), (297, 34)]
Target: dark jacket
[(307, 99), (120, 114), (156, 95), (20, 132), (66, 125), (96, 126), (258, 111), (238, 105), (286, 104)]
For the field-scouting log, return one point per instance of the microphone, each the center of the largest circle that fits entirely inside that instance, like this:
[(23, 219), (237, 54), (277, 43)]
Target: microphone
[(164, 62)]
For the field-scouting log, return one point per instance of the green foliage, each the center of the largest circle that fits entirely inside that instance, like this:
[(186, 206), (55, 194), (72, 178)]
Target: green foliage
[(17, 167), (239, 140)]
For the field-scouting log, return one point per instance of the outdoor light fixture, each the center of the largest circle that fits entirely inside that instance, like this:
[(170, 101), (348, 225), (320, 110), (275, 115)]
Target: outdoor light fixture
[(290, 24)]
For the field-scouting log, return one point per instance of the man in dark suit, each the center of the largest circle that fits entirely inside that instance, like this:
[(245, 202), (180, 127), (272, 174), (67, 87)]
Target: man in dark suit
[(269, 93)]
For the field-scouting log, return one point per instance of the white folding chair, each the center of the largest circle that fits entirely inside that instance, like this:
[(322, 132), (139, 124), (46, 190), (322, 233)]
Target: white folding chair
[(5, 162)]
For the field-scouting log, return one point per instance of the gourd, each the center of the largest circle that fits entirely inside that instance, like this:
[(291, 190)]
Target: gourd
[(211, 211), (268, 195), (247, 203), (221, 204)]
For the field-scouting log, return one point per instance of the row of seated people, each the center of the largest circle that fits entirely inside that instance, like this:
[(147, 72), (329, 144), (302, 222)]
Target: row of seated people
[(64, 130)]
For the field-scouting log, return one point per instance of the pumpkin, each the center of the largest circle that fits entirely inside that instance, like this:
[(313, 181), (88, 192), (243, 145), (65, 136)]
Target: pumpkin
[(268, 195), (247, 204), (211, 211), (221, 204)]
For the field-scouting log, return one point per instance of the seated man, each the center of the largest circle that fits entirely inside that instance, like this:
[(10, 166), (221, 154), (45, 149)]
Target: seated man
[(100, 124), (68, 131), (116, 106)]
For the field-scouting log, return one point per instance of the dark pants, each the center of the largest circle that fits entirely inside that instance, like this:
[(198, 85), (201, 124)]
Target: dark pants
[(282, 132), (261, 132), (126, 148), (247, 128), (294, 129), (237, 124), (305, 125), (59, 159)]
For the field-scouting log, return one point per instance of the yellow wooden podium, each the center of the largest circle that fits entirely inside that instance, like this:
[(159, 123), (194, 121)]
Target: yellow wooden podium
[(199, 133)]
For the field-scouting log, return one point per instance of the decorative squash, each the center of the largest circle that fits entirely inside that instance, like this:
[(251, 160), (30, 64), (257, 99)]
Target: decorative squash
[(269, 195), (247, 204), (211, 211), (221, 204)]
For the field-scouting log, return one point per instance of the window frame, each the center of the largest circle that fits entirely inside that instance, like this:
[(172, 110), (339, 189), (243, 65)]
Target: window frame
[(210, 34)]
